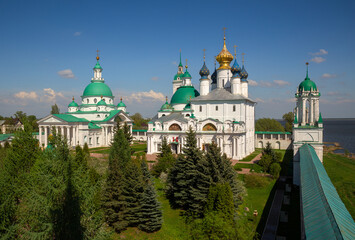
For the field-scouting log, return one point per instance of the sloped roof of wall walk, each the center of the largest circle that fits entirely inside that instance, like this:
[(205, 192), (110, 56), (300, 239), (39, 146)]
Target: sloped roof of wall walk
[(324, 214)]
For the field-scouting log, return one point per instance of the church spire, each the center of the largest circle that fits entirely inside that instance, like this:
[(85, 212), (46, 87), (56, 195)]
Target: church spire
[(97, 70)]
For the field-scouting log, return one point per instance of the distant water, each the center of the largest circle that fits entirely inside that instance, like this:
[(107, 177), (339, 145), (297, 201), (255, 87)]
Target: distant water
[(340, 130)]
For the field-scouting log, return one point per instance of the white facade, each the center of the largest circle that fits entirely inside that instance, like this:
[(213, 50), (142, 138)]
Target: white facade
[(308, 124), (93, 122), (223, 114)]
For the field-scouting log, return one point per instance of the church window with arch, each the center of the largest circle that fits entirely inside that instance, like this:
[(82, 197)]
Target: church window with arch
[(87, 101), (95, 100), (174, 127), (233, 108), (216, 108), (209, 127), (200, 108)]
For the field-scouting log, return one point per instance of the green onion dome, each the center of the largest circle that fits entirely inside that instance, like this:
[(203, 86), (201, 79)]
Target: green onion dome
[(97, 89), (187, 74), (166, 106), (101, 103), (235, 68), (307, 84), (121, 104), (183, 95), (73, 104), (243, 73), (204, 72)]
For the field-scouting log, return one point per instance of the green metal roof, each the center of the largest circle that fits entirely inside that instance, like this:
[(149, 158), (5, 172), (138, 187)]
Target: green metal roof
[(183, 95), (97, 89), (97, 66), (139, 130), (121, 104), (4, 137), (73, 104), (187, 74), (325, 215), (101, 103), (180, 75), (70, 118), (307, 84), (260, 132), (93, 126)]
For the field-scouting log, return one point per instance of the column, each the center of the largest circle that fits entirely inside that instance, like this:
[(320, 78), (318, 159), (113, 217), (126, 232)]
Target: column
[(106, 140), (303, 111), (62, 130), (102, 135), (45, 136), (316, 109), (311, 115), (68, 135), (40, 136), (77, 135)]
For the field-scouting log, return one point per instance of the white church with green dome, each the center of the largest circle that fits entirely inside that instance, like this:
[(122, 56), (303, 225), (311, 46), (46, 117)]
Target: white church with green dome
[(220, 112), (91, 122)]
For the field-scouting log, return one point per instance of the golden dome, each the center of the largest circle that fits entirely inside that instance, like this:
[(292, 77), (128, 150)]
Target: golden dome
[(224, 57)]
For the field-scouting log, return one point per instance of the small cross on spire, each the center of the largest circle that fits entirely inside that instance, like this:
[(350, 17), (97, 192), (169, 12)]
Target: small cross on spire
[(243, 58), (186, 64), (235, 50), (224, 32), (97, 54), (204, 52)]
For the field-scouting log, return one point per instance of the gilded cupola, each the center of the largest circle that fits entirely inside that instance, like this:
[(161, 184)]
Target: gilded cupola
[(224, 57)]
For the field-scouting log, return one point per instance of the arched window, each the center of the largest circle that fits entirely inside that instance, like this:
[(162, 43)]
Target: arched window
[(187, 115), (216, 108), (209, 127), (174, 127), (233, 108), (200, 108), (95, 100), (87, 100), (163, 115)]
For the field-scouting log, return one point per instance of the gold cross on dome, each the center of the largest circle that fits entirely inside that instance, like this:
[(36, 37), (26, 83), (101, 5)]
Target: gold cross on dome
[(204, 52), (243, 57), (97, 52), (235, 50), (186, 64), (224, 31)]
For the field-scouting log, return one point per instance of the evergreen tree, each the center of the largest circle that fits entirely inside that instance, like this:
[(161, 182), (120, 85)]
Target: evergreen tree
[(86, 151), (165, 160), (55, 109), (183, 175), (79, 157), (114, 202), (150, 209), (127, 133), (20, 157)]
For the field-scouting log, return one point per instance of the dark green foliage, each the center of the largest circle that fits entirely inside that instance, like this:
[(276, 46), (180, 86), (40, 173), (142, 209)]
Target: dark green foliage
[(289, 118), (269, 156), (7, 145), (86, 150), (165, 160), (113, 201), (268, 125), (18, 162), (150, 212), (139, 122), (275, 170), (127, 133), (182, 177), (132, 191), (150, 209), (79, 157), (219, 216), (214, 168), (55, 109)]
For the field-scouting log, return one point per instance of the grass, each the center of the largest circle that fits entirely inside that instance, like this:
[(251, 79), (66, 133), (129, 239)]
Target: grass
[(173, 226), (252, 155), (341, 170), (137, 147)]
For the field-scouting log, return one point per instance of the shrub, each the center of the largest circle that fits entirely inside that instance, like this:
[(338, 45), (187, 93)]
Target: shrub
[(275, 169), (255, 181), (265, 162)]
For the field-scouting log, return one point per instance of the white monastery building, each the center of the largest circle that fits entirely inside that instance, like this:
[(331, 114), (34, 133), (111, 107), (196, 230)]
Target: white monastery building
[(221, 112), (93, 121)]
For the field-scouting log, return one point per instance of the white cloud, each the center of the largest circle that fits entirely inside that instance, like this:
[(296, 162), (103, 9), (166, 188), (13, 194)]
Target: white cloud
[(66, 73), (151, 95), (76, 34), (265, 84), (328, 75), (320, 52), (155, 78), (50, 95), (281, 82), (252, 82), (318, 59), (26, 95)]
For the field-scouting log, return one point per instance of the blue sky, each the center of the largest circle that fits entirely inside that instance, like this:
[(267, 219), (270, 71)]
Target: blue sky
[(48, 50)]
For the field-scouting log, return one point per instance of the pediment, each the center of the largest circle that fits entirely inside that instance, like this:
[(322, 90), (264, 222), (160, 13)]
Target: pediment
[(52, 120)]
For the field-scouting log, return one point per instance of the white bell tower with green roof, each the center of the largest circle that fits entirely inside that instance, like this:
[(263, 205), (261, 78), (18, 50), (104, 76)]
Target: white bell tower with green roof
[(308, 123)]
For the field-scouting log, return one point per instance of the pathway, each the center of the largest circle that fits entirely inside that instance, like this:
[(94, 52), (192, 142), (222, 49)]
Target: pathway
[(253, 161)]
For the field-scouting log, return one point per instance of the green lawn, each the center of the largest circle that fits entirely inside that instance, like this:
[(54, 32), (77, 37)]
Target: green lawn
[(341, 171), (173, 226), (252, 155), (137, 147)]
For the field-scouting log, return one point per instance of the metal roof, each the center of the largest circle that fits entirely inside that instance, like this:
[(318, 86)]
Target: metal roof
[(325, 215), (220, 94)]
